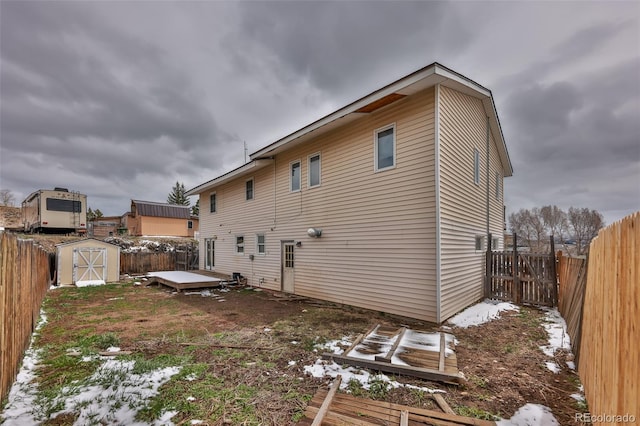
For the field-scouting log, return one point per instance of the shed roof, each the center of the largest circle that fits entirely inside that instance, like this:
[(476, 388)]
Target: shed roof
[(424, 78), (83, 241), (150, 208)]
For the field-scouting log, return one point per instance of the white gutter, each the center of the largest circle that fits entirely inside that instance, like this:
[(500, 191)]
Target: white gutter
[(240, 171)]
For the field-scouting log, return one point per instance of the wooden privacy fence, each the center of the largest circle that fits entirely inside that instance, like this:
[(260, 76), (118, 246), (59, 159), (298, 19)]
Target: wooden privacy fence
[(24, 281), (609, 359), (143, 262), (521, 277), (572, 281)]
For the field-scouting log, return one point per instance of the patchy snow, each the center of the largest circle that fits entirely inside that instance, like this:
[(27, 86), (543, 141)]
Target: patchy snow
[(553, 367), (112, 395), (481, 313), (571, 365), (578, 397), (531, 415), (89, 283), (334, 346), (557, 330), (323, 368)]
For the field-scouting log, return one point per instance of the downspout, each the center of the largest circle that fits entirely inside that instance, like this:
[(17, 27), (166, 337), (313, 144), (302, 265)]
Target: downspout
[(488, 164), (437, 194)]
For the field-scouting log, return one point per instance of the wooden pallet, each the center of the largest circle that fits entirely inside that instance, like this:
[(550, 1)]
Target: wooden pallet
[(332, 408), (382, 349)]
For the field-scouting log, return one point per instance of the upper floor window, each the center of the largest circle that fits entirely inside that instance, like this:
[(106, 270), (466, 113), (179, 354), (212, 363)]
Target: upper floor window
[(295, 176), (249, 189), (212, 203), (190, 224), (314, 170), (385, 147), (476, 167)]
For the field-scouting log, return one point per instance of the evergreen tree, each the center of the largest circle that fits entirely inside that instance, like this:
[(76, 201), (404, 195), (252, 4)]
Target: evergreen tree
[(90, 214), (177, 195), (195, 209)]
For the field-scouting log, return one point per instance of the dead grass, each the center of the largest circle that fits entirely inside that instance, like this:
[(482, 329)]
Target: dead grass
[(241, 352)]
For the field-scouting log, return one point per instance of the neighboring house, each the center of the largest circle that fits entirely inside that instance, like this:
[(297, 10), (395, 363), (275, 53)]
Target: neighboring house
[(160, 219), (106, 226), (384, 204)]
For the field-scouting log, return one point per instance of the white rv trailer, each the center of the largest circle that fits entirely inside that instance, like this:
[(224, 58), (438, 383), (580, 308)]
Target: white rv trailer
[(57, 211)]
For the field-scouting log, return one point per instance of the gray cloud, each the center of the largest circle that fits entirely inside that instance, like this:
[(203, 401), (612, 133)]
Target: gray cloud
[(121, 99)]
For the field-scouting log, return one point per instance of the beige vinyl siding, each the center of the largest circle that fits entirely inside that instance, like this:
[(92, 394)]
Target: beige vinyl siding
[(462, 202), (377, 248)]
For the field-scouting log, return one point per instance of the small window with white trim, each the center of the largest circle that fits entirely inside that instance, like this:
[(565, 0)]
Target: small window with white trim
[(212, 203), (314, 170), (294, 176), (261, 244), (479, 242), (240, 244), (476, 167), (385, 148), (248, 186), (495, 242)]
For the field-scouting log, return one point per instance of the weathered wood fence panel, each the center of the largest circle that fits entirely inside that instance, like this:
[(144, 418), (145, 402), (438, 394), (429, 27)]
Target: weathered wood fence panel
[(143, 262), (609, 359), (522, 277), (24, 281), (572, 281)]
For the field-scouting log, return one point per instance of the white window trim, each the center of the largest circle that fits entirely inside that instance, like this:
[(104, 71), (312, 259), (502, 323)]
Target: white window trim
[(482, 243), (214, 195), (319, 155), (253, 189), (291, 177), (236, 246), (476, 166), (375, 147), (258, 244)]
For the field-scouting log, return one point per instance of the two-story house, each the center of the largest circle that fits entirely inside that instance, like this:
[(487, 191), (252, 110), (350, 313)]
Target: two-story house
[(385, 204)]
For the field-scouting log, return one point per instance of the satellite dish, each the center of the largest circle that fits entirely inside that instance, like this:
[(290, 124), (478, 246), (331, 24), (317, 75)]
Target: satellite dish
[(314, 232)]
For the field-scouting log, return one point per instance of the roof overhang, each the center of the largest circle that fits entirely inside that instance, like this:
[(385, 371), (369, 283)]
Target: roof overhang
[(422, 79), (243, 170)]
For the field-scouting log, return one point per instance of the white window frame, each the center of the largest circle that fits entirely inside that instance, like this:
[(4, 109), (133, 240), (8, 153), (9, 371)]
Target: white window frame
[(215, 203), (476, 166), (264, 244), (253, 189), (309, 158), (495, 242), (479, 242), (239, 246), (375, 147), (291, 164)]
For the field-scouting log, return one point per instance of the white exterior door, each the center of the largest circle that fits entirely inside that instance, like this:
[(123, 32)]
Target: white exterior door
[(89, 265), (209, 253), (288, 263)]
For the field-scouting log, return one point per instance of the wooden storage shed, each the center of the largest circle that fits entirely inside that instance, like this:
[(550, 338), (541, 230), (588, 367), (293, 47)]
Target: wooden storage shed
[(87, 262)]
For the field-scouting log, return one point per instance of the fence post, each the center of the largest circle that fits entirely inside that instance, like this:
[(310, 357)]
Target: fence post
[(516, 290), (554, 275), (487, 278)]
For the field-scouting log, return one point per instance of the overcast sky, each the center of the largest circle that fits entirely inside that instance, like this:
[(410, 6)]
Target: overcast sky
[(119, 100)]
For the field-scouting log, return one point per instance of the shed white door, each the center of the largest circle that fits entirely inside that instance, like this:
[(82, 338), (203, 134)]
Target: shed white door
[(89, 266), (288, 263)]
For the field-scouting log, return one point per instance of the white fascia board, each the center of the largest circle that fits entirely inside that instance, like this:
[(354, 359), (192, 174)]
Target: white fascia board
[(240, 171)]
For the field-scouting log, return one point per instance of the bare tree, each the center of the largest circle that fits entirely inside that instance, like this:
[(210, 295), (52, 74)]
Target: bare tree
[(584, 224), (555, 221), (7, 198), (528, 224)]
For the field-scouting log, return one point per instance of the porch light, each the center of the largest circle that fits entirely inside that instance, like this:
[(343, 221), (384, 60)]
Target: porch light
[(314, 232)]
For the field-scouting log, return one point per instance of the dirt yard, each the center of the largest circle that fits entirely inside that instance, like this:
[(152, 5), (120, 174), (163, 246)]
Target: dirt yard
[(247, 350)]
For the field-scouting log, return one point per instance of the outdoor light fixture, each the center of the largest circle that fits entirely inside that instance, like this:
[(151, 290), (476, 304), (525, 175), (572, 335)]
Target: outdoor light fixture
[(314, 232)]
